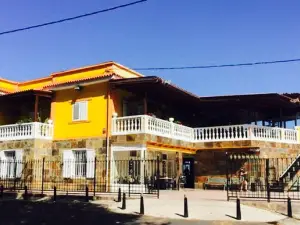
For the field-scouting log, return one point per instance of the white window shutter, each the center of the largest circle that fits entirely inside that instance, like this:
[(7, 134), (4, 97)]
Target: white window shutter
[(68, 164), (90, 166), (3, 165), (19, 163), (76, 110), (83, 110)]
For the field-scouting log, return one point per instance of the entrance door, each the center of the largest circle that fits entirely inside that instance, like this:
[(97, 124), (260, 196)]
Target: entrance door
[(188, 172)]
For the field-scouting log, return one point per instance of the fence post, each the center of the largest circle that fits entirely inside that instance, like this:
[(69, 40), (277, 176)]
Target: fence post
[(1, 191), (267, 179), (95, 170), (43, 173), (86, 193), (158, 178), (25, 194), (54, 194), (15, 173), (129, 186), (227, 175)]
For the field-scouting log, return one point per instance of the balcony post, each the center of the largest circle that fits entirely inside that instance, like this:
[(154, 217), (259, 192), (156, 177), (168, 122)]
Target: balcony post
[(250, 132), (172, 127), (282, 134), (35, 129), (114, 121), (144, 124)]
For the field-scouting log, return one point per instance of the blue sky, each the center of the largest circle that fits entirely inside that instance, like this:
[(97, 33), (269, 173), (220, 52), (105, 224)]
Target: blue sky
[(159, 33)]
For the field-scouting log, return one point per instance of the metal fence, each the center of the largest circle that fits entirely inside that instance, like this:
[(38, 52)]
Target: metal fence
[(130, 175), (265, 178)]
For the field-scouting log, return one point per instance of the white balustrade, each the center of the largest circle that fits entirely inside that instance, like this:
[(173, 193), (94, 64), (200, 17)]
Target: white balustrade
[(221, 133), (164, 128), (183, 133), (26, 131)]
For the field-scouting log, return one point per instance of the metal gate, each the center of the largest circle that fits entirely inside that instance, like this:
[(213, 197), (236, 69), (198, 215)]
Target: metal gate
[(132, 176), (264, 178)]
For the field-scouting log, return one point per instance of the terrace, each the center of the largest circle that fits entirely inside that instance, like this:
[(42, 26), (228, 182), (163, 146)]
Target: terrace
[(144, 124), (157, 107), (25, 115)]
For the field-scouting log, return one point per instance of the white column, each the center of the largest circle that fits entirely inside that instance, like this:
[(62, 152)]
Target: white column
[(35, 129), (172, 127), (143, 157)]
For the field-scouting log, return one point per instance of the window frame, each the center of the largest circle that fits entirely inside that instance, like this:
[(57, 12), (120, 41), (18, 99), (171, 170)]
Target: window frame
[(79, 110), (71, 164), (15, 164), (82, 164)]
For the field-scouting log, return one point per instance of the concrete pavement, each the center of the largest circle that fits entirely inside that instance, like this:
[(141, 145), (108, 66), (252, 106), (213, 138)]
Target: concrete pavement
[(203, 205)]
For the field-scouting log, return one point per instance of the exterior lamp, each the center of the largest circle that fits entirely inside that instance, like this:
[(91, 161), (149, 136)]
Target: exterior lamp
[(78, 88)]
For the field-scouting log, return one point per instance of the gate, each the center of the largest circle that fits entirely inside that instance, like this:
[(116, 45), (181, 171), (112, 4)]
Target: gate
[(265, 178)]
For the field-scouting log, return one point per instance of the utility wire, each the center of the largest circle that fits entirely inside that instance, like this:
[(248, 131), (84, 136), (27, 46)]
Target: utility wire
[(219, 66), (72, 18)]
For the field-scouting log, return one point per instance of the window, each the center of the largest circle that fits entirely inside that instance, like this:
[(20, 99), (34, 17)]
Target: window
[(80, 111), (11, 164), (78, 163), (10, 157)]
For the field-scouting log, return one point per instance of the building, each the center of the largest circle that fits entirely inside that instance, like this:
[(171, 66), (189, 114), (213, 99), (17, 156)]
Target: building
[(111, 113)]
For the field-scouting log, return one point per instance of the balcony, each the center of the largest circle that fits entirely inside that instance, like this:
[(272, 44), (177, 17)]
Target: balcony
[(23, 131), (144, 124)]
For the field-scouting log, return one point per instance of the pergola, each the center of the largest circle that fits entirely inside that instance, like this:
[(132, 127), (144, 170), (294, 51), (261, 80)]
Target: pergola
[(17, 104), (271, 109)]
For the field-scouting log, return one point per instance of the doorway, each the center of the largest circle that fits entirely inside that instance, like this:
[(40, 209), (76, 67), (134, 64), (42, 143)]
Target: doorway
[(188, 172)]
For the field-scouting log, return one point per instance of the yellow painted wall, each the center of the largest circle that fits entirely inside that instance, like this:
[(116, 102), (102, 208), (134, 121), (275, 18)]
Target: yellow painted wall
[(8, 85), (35, 84), (65, 128)]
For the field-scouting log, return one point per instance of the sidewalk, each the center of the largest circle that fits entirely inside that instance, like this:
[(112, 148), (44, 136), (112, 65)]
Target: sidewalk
[(203, 205)]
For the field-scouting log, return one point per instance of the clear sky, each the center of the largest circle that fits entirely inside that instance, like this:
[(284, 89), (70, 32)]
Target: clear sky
[(159, 33)]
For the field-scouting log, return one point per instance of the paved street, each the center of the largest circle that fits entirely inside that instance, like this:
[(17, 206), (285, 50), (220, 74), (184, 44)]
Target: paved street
[(78, 213), (205, 208), (203, 205)]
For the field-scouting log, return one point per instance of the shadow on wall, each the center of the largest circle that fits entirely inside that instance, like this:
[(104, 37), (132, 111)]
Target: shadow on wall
[(15, 212)]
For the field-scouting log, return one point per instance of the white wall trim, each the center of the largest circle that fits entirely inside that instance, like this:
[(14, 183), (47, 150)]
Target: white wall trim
[(123, 148)]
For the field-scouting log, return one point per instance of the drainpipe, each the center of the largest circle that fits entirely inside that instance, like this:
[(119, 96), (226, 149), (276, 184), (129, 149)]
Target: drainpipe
[(107, 135)]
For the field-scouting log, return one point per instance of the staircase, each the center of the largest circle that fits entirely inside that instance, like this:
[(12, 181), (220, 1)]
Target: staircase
[(290, 175)]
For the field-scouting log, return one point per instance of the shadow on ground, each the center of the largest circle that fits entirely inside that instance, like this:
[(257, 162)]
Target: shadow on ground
[(15, 212)]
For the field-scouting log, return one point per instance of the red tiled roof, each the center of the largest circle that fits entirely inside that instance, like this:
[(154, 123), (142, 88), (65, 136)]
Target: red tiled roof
[(112, 75)]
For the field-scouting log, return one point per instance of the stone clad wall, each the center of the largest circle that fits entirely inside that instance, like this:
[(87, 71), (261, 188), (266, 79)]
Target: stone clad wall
[(98, 144), (213, 163)]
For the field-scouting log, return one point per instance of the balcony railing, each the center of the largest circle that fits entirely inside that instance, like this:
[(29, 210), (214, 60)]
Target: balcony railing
[(26, 131), (159, 127)]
